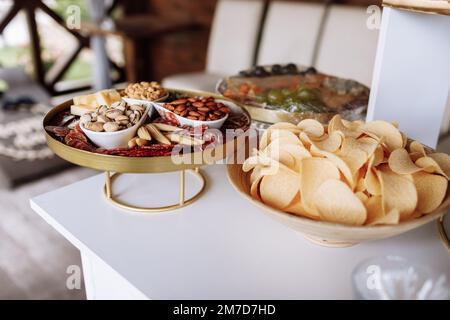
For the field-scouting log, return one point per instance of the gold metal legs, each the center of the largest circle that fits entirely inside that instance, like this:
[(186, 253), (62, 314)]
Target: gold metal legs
[(442, 232), (109, 180)]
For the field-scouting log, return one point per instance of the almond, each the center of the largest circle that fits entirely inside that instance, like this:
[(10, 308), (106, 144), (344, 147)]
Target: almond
[(144, 134), (156, 134)]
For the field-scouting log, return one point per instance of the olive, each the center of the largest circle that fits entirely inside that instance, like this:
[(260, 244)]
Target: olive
[(276, 69), (292, 68), (260, 72), (275, 97), (305, 94), (244, 73), (311, 70), (286, 92)]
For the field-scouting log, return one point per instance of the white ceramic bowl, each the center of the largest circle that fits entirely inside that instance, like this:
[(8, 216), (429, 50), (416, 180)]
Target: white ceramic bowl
[(116, 139), (216, 124), (145, 103)]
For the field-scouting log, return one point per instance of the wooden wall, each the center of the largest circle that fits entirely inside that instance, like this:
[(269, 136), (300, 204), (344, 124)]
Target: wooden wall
[(185, 50)]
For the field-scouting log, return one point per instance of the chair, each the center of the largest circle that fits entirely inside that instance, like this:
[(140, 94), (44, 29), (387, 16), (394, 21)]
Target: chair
[(290, 33), (347, 47), (231, 45)]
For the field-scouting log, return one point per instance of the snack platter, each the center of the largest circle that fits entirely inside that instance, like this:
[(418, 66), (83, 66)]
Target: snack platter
[(291, 93), (126, 160), (138, 130)]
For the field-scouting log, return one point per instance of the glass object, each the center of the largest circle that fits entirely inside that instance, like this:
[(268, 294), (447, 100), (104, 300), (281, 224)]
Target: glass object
[(395, 278)]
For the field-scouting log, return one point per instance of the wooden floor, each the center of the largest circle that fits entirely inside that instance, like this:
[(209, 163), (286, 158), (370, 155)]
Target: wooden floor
[(33, 256)]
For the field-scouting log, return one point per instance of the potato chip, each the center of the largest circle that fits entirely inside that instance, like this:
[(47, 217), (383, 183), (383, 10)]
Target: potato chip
[(400, 162), (336, 202), (368, 144), (279, 189), (253, 161), (286, 126), (338, 162), (264, 140), (298, 152), (352, 154), (360, 185), (416, 146), (314, 171), (256, 173), (254, 189), (329, 143), (375, 210), (430, 165), (372, 182), (377, 158), (296, 207), (405, 139), (414, 156), (279, 133), (274, 151), (443, 160), (398, 192), (362, 196), (431, 190), (352, 130), (311, 127), (385, 130)]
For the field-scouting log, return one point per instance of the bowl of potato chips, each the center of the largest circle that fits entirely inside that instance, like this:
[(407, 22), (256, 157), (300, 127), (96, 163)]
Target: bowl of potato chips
[(345, 182)]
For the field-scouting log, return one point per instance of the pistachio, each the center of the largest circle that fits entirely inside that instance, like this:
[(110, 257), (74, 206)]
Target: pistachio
[(123, 119), (102, 109), (94, 126), (102, 118), (137, 107), (113, 113), (85, 118), (111, 126)]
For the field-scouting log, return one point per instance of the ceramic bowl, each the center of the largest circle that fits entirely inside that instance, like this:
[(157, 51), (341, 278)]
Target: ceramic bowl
[(328, 233), (216, 124), (116, 139)]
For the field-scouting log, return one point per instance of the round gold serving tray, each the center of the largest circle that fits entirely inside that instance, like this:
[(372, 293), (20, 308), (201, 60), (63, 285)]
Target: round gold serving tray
[(118, 164), (121, 164)]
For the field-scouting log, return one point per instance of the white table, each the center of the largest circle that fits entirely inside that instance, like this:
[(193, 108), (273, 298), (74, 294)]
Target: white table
[(220, 247)]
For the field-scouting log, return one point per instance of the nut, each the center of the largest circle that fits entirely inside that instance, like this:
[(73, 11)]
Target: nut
[(102, 109), (85, 118), (156, 134), (141, 142), (94, 126), (123, 120), (113, 113), (144, 134), (132, 143), (119, 105), (200, 108), (183, 139), (165, 127), (145, 90), (102, 118), (138, 108), (111, 126)]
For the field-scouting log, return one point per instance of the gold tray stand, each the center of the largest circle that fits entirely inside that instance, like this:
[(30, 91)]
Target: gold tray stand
[(109, 180)]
